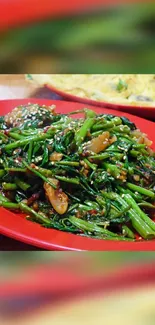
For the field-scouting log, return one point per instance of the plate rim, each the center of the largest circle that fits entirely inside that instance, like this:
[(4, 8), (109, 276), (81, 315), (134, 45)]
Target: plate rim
[(65, 241), (47, 9)]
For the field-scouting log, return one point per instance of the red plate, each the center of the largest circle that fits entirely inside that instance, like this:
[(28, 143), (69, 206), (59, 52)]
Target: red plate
[(33, 10), (142, 111), (17, 227)]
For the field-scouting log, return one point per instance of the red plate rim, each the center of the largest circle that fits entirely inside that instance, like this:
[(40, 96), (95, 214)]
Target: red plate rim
[(32, 10), (50, 239), (142, 111)]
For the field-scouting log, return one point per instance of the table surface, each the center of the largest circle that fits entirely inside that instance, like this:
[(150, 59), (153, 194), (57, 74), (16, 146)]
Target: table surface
[(11, 87)]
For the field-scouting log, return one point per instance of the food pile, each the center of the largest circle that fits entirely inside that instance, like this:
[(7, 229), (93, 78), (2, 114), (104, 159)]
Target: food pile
[(92, 176)]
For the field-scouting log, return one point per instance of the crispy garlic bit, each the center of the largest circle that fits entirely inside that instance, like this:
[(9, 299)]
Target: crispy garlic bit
[(99, 143), (57, 198), (56, 156), (141, 138)]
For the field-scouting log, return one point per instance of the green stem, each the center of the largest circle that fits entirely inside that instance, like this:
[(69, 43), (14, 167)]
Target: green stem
[(9, 205), (37, 173), (102, 156), (82, 132), (137, 222), (123, 211), (141, 190), (103, 126), (89, 113), (67, 163), (30, 151), (2, 173), (87, 226), (92, 205), (23, 142), (16, 136), (24, 208), (122, 129), (127, 232), (128, 198), (9, 186), (68, 180), (45, 172), (113, 169), (92, 166), (3, 198), (16, 170), (146, 205), (24, 186)]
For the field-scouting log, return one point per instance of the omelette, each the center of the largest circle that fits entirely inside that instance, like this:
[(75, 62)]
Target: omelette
[(125, 89)]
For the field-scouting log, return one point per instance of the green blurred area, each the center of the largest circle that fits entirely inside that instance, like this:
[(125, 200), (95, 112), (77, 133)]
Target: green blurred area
[(116, 40), (90, 263)]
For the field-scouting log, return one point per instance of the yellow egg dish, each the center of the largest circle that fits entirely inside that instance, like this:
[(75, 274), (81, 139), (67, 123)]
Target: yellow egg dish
[(129, 89)]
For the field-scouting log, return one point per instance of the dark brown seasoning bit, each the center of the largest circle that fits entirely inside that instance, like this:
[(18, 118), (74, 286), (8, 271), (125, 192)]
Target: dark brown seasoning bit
[(147, 175), (33, 166), (83, 163), (35, 206), (6, 132), (46, 129), (147, 165), (19, 159), (49, 147), (18, 150), (78, 214), (33, 198), (88, 134), (85, 172), (92, 212), (85, 153)]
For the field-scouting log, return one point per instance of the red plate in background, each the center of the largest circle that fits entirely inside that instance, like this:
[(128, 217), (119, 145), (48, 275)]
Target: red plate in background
[(142, 111), (29, 281), (18, 12), (65, 289), (17, 227), (33, 10)]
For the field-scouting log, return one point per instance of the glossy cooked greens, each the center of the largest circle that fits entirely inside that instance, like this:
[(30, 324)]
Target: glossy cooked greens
[(93, 176)]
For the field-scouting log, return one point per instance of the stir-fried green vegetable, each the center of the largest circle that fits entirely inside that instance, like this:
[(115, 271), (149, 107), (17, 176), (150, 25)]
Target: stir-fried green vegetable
[(93, 176)]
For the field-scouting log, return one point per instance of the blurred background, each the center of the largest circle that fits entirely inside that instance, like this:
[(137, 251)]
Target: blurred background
[(119, 38), (101, 38), (84, 263), (62, 287)]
